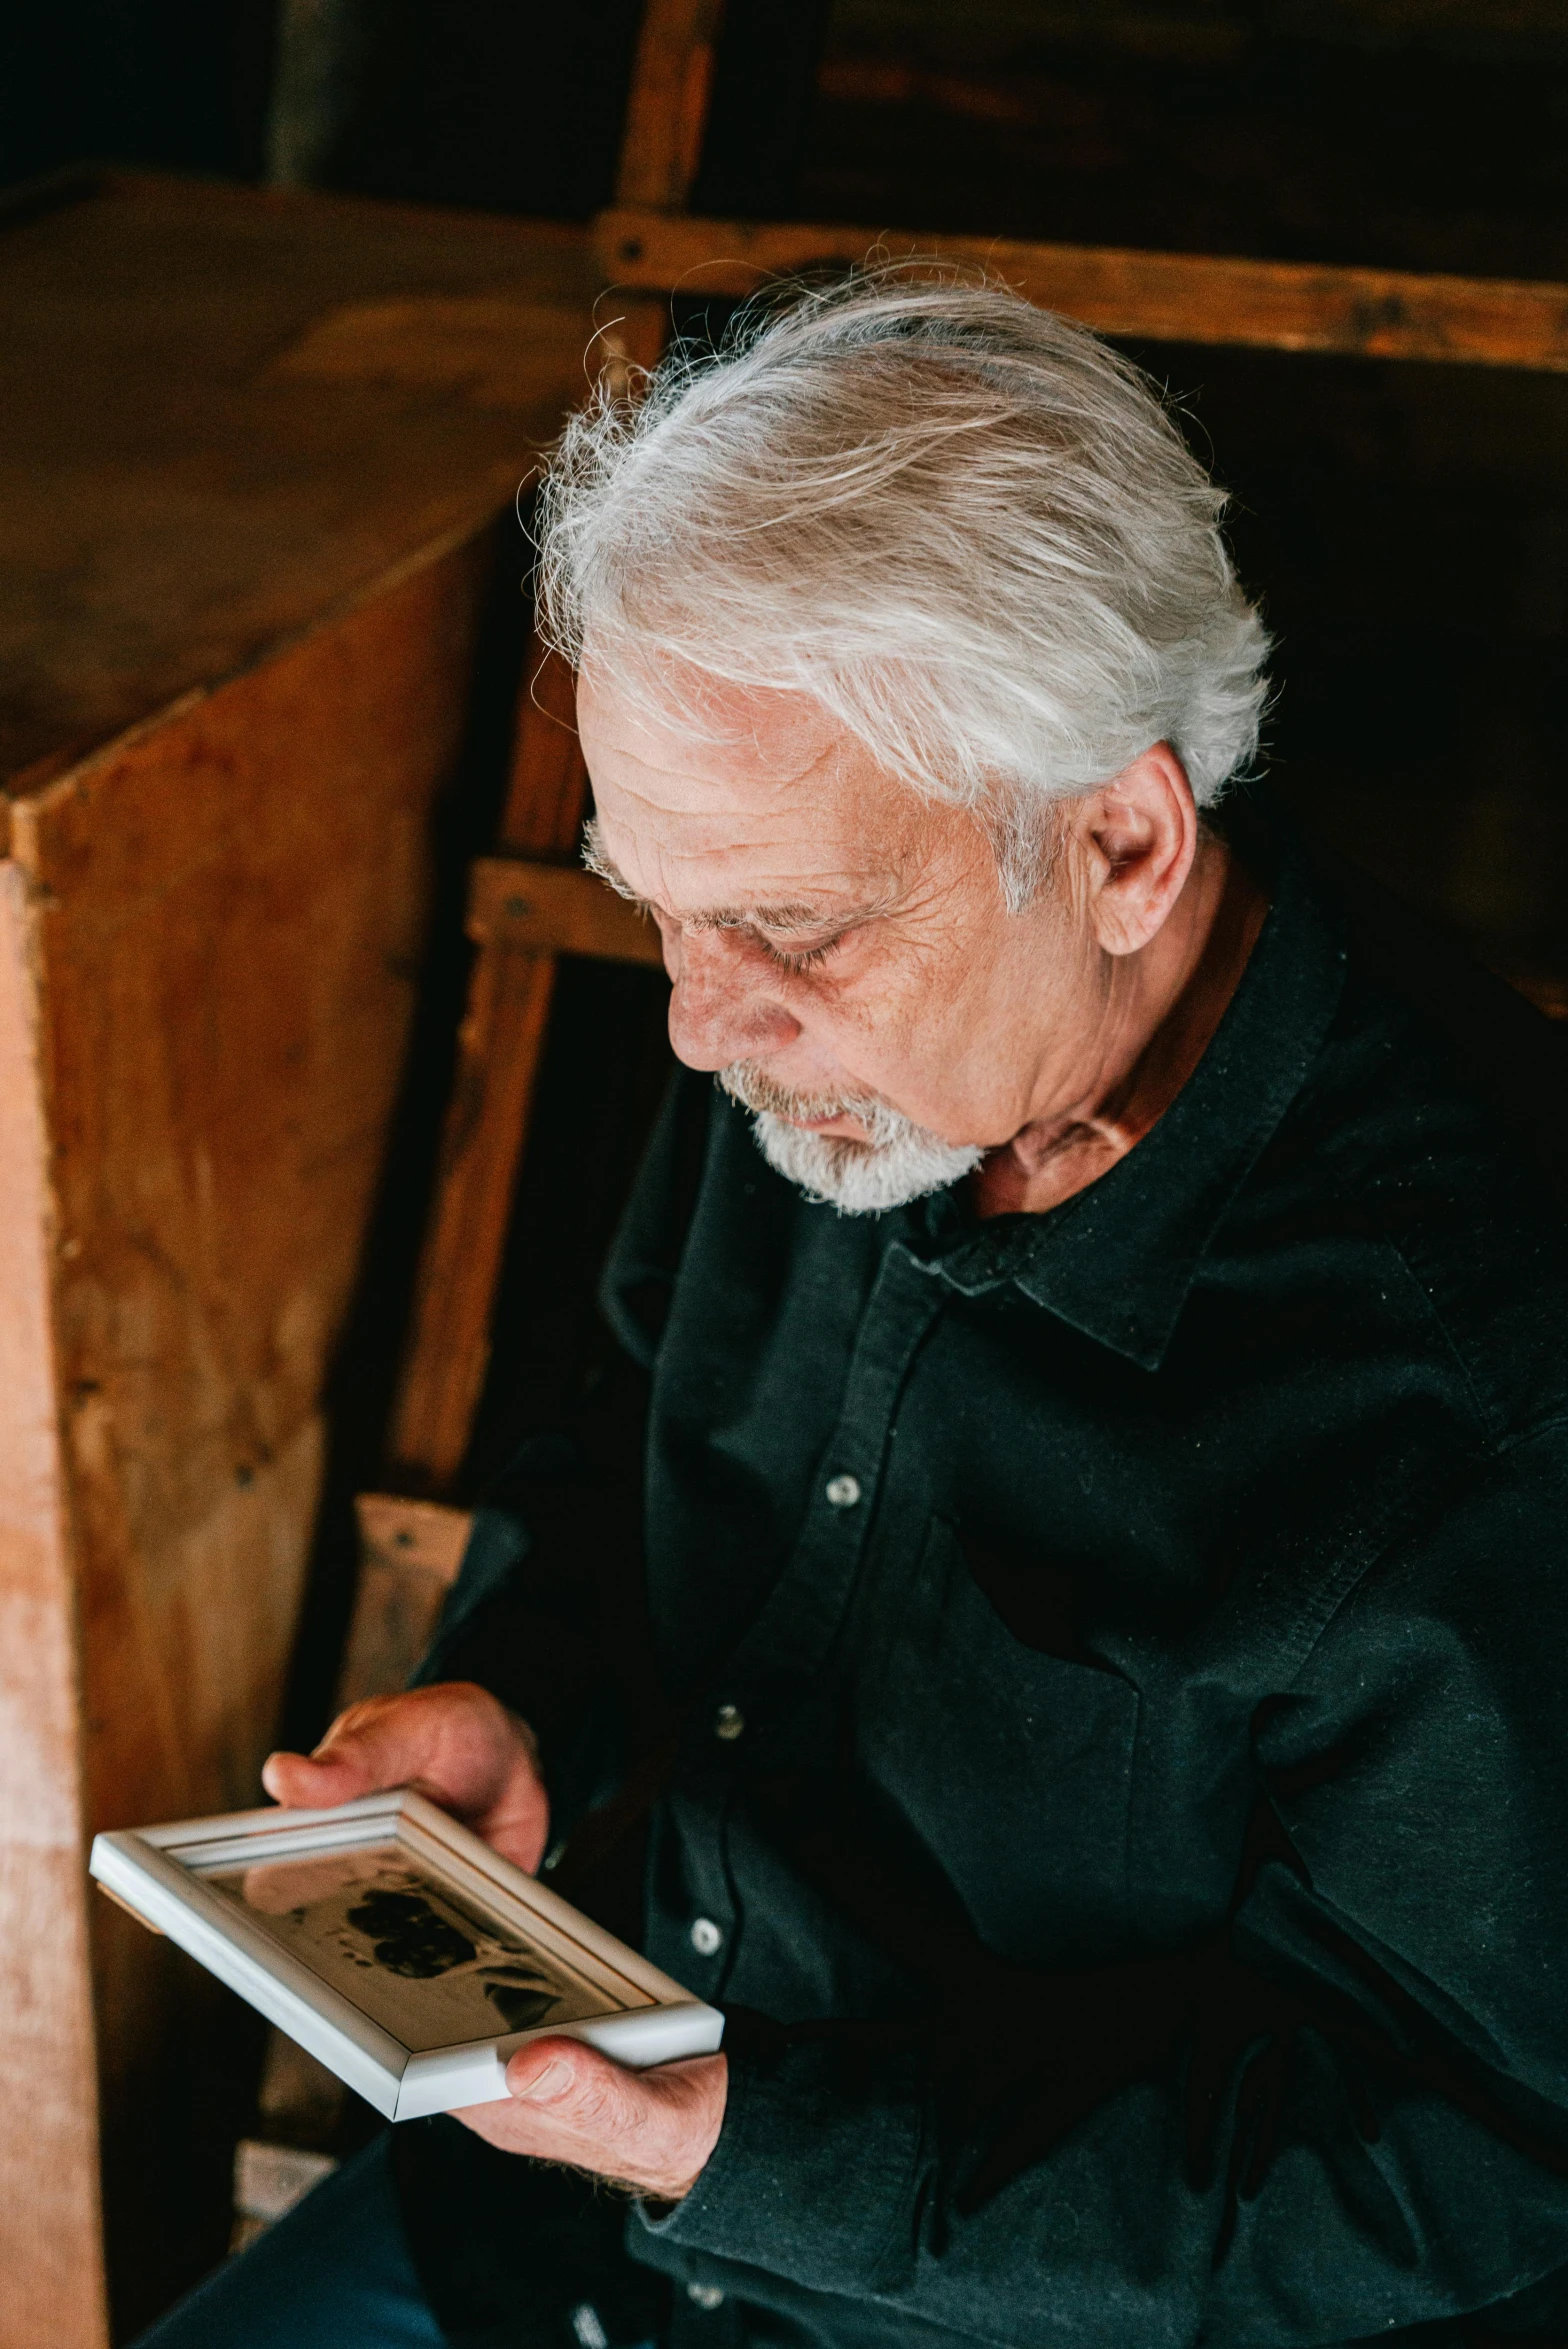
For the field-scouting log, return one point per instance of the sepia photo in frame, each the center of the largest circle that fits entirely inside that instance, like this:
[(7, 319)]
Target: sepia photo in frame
[(396, 1946)]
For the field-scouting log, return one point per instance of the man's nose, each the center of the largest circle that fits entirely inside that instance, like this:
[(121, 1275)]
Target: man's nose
[(721, 1008)]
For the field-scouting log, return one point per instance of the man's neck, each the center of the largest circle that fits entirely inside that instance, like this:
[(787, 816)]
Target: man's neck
[(1213, 931)]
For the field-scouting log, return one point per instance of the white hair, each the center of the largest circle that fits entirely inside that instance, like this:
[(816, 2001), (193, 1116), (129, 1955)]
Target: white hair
[(963, 526), (897, 1162)]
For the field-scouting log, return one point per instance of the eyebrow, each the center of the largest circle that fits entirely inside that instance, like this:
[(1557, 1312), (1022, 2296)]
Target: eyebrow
[(789, 918)]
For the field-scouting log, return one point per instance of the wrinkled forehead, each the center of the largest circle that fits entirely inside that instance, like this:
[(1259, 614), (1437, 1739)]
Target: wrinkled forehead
[(702, 740), (736, 797)]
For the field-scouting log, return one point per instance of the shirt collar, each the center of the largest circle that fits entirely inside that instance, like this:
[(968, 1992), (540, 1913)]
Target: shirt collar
[(1117, 1261)]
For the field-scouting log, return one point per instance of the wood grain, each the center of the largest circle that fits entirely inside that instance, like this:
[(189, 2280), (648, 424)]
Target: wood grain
[(255, 449), (409, 1554), (227, 411), (548, 788), (556, 909), (228, 915), (485, 348), (513, 977), (1166, 297), (50, 2223), (667, 110), (499, 1046), (522, 914)]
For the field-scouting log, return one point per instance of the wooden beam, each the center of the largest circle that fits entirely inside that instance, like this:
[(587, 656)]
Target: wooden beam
[(498, 1050), (548, 787), (661, 148), (409, 1554), (667, 111), (1167, 297), (518, 930), (51, 2231), (556, 909), (521, 916), (499, 1047)]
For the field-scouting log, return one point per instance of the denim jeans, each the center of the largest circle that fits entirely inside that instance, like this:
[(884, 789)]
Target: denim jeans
[(334, 2274)]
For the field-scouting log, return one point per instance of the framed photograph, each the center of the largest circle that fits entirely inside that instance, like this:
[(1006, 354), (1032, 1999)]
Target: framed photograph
[(397, 1947)]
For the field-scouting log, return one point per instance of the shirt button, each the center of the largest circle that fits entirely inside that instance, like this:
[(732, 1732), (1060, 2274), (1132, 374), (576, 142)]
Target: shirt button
[(843, 1491), (706, 1937), (728, 1722), (705, 2295)]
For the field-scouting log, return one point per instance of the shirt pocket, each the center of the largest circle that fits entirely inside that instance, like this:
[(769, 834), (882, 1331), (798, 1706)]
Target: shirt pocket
[(1011, 1767)]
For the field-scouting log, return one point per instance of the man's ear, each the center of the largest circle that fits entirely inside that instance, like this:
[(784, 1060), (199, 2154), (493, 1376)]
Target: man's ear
[(1140, 833)]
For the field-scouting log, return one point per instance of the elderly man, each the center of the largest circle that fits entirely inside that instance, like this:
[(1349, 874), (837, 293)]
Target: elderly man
[(1106, 1457)]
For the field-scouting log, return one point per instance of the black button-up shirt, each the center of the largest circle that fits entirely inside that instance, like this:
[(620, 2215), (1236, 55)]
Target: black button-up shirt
[(1123, 1790)]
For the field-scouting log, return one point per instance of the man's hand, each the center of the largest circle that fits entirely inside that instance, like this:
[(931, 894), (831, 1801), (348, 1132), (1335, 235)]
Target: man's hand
[(652, 2131), (649, 2130), (456, 1742)]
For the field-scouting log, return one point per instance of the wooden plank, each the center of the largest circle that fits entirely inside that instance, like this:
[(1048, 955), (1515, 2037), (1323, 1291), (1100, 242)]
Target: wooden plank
[(661, 148), (484, 349), (499, 1046), (637, 339), (548, 789), (51, 2248), (228, 412), (428, 1536), (229, 914), (557, 909), (667, 110), (409, 1554), (513, 977), (1166, 297), (522, 915)]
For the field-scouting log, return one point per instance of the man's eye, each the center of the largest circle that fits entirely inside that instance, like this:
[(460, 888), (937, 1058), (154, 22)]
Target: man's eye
[(798, 958)]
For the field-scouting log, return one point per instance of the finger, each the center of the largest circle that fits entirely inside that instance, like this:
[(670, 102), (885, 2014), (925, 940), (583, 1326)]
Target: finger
[(663, 2085), (302, 1783), (650, 2129), (589, 2110), (450, 1737), (371, 1746), (579, 2088), (454, 1740)]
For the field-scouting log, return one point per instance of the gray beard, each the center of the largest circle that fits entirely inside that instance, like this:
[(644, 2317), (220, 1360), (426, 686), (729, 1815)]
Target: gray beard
[(901, 1161)]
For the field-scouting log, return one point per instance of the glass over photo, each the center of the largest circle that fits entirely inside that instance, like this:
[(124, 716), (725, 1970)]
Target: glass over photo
[(428, 1965)]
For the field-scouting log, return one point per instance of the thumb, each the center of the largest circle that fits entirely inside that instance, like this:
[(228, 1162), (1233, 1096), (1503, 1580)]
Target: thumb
[(300, 1783), (575, 2083), (380, 1742), (652, 2129), (340, 1768)]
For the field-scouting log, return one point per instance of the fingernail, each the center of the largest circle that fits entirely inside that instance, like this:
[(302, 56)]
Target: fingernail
[(551, 2082)]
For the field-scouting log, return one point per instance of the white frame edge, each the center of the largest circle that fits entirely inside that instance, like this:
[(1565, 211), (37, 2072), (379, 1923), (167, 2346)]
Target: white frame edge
[(157, 1872)]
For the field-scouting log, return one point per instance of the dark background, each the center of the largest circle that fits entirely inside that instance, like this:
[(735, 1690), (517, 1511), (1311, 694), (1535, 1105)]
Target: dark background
[(1427, 134)]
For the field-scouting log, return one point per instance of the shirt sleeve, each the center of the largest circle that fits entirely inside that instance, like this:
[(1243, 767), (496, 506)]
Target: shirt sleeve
[(1347, 2115)]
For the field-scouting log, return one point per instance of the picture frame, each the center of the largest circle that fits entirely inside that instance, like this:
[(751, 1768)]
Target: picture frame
[(382, 1935)]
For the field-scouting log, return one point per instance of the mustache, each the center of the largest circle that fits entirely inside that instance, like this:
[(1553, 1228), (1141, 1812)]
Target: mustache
[(755, 1090)]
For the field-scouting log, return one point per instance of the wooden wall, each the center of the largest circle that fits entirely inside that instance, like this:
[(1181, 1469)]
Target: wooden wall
[(50, 2242), (212, 937), (258, 453)]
